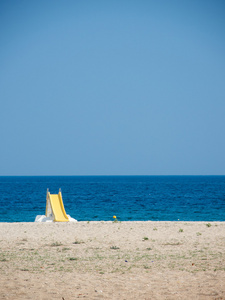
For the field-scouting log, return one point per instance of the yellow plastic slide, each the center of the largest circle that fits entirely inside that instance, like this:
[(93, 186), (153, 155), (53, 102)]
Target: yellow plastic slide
[(55, 207)]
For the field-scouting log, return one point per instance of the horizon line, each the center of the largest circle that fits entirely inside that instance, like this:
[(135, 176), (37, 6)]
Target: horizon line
[(111, 175)]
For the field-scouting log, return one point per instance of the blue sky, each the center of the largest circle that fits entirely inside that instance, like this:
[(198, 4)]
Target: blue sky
[(112, 87)]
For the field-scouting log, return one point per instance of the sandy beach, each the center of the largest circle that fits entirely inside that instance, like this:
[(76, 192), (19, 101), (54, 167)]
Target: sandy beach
[(107, 260)]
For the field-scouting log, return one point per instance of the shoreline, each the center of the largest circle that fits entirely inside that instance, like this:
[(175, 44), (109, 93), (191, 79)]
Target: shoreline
[(113, 260), (117, 222)]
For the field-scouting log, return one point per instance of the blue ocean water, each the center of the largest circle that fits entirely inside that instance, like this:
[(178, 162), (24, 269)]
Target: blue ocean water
[(130, 198)]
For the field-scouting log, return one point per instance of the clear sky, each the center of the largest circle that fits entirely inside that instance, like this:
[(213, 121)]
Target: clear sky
[(112, 87)]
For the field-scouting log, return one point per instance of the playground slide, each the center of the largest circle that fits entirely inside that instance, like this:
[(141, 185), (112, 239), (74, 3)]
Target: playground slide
[(58, 208), (55, 211)]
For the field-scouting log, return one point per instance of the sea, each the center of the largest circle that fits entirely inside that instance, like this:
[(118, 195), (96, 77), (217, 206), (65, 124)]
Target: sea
[(129, 198)]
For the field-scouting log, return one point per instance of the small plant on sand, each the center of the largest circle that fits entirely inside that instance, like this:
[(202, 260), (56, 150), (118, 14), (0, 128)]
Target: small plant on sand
[(145, 238), (3, 259), (208, 225), (56, 244), (146, 267), (114, 248), (78, 242), (73, 258), (172, 244), (115, 219), (198, 233), (155, 228), (181, 230), (65, 249)]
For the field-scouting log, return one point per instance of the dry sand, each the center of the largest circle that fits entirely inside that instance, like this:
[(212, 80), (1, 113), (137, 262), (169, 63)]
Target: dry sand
[(106, 260)]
